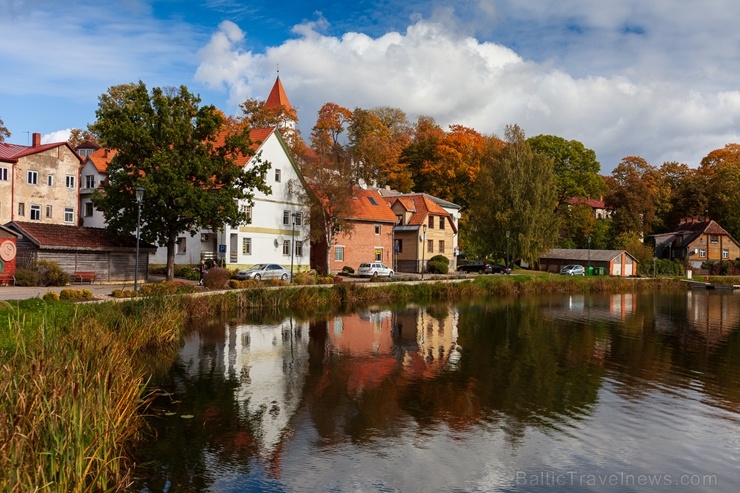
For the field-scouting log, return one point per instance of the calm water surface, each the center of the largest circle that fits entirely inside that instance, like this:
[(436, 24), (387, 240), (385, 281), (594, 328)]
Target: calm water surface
[(629, 392)]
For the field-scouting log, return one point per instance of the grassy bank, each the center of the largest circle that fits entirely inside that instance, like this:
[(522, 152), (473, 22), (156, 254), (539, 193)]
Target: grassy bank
[(73, 376)]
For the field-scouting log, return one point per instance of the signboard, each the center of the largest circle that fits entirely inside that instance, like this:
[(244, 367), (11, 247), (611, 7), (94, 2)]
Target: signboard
[(222, 249)]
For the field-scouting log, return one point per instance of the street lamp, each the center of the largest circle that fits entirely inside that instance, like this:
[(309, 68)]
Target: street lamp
[(293, 216), (508, 233), (139, 200), (589, 251), (423, 241)]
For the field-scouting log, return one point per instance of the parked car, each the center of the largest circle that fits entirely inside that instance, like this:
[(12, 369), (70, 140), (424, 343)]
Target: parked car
[(573, 270), (497, 269), (374, 269), (478, 266), (264, 271)]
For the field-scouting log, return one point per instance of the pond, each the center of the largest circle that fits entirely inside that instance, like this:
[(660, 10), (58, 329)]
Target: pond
[(626, 392)]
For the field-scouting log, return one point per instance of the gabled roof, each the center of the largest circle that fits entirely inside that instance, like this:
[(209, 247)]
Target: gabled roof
[(277, 97), (690, 229), (368, 205), (11, 153), (62, 237), (101, 158), (584, 255), (421, 206), (593, 203)]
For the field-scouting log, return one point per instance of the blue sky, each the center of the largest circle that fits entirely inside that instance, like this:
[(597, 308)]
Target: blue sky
[(658, 79)]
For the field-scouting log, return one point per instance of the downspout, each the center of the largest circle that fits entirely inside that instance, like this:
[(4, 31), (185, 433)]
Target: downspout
[(12, 192)]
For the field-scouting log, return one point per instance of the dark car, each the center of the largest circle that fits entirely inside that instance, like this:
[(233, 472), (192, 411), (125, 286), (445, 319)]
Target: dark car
[(497, 269), (478, 266)]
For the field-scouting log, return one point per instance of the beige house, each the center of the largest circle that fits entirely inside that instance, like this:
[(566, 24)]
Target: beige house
[(39, 183), (695, 242)]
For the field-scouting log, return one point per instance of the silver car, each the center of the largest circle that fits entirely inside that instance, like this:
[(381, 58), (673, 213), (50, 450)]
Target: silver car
[(374, 269), (573, 270), (264, 271)]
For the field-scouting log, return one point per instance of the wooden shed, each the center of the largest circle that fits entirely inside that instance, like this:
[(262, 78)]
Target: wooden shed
[(77, 249), (613, 262)]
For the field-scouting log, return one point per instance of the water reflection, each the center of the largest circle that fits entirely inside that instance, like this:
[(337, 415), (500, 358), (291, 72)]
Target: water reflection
[(474, 397)]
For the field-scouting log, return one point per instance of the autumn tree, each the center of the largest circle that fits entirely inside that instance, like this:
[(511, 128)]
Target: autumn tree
[(421, 151), (631, 197), (78, 136), (376, 138), (515, 193), (326, 167), (4, 132), (255, 115), (180, 154)]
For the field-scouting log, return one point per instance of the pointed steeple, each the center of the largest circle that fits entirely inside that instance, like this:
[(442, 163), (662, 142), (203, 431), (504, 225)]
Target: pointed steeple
[(277, 97)]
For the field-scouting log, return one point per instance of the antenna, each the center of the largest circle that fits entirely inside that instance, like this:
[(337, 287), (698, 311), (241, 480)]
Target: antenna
[(29, 137)]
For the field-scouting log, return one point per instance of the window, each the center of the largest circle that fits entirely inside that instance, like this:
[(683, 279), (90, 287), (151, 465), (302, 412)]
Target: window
[(298, 218), (69, 215), (702, 253), (33, 177), (277, 175), (442, 223), (399, 246), (399, 218), (3, 174), (89, 181), (70, 181), (377, 229), (35, 212), (378, 254), (21, 209), (725, 253), (88, 209), (339, 253), (441, 246), (246, 210), (182, 246), (299, 249), (430, 222), (48, 211), (286, 248), (430, 246), (246, 246), (714, 238), (50, 180), (286, 218)]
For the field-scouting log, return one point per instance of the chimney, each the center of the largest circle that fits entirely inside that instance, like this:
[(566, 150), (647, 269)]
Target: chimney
[(36, 139)]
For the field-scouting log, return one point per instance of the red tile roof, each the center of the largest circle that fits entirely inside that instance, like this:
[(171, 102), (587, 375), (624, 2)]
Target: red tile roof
[(369, 205), (421, 206), (101, 158), (62, 237), (277, 97), (593, 203), (11, 153)]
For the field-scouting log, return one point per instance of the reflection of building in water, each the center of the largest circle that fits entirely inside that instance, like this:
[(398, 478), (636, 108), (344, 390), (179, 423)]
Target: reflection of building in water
[(427, 339), (582, 307), (271, 362), (364, 333), (713, 314)]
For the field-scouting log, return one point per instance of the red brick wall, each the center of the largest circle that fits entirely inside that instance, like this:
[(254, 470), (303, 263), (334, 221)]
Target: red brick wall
[(359, 246)]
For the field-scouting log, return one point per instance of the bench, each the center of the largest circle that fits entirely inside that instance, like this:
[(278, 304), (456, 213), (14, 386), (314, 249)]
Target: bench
[(7, 279), (81, 277)]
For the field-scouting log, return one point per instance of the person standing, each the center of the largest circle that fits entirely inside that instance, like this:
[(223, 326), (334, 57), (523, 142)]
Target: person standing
[(203, 271)]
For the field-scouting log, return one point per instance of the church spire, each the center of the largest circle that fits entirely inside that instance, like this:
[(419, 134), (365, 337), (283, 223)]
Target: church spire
[(277, 97)]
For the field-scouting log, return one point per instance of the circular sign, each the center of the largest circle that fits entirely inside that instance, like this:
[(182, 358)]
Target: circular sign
[(7, 250)]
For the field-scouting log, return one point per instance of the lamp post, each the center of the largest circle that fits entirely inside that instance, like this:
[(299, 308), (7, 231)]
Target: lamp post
[(589, 251), (508, 233), (293, 216), (423, 240), (139, 200)]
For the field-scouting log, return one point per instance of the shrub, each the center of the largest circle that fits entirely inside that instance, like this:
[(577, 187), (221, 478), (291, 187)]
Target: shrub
[(348, 270), (187, 272), (26, 277), (158, 269), (124, 293), (216, 278), (439, 264), (325, 280), (164, 288), (305, 279), (75, 294), (51, 296), (50, 274), (246, 283)]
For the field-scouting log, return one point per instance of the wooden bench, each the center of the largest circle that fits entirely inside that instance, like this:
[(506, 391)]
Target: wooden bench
[(7, 279), (81, 277)]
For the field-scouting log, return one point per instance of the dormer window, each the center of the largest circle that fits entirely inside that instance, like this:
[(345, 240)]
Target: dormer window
[(399, 218), (713, 238)]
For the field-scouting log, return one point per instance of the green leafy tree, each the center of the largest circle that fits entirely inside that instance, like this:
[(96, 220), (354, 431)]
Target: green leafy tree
[(4, 132), (515, 193), (183, 155), (576, 168), (631, 196)]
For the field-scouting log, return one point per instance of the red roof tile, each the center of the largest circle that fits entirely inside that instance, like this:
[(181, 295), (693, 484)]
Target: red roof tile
[(369, 205), (62, 237), (101, 158), (277, 97), (421, 206), (13, 152)]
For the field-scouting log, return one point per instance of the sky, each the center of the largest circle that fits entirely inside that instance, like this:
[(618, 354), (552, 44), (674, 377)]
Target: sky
[(658, 79)]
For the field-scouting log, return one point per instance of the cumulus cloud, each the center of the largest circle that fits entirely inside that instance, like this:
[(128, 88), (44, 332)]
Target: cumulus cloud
[(431, 69)]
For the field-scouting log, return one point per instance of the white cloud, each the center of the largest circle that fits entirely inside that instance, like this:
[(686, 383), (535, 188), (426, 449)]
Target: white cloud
[(431, 69)]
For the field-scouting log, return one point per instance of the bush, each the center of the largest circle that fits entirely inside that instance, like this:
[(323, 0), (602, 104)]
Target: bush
[(51, 296), (348, 270), (439, 264), (246, 283), (26, 277), (305, 279), (75, 294), (50, 274), (187, 272), (216, 278)]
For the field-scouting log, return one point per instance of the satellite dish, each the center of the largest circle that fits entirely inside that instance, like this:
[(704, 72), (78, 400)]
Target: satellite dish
[(278, 241)]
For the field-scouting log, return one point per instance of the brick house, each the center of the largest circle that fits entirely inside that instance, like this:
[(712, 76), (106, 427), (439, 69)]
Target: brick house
[(696, 242), (39, 183), (371, 238), (424, 230)]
